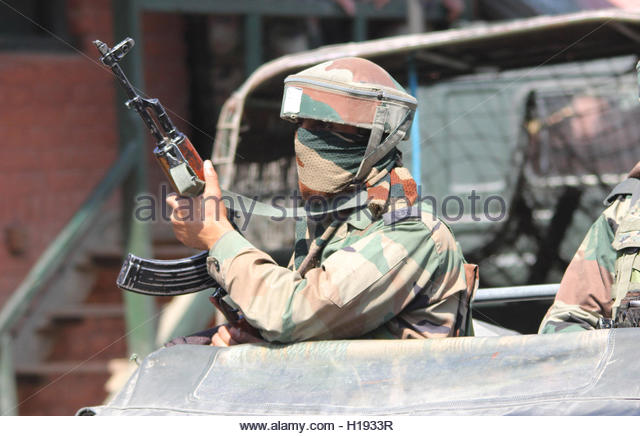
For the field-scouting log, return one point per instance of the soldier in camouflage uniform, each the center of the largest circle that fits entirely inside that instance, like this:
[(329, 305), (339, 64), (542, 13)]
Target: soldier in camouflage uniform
[(390, 270), (601, 286), (604, 275)]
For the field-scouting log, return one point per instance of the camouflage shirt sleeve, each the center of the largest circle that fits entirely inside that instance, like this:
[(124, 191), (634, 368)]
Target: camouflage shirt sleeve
[(366, 280), (585, 290)]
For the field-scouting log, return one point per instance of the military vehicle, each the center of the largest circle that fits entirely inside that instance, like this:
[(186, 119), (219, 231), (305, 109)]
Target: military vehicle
[(535, 118)]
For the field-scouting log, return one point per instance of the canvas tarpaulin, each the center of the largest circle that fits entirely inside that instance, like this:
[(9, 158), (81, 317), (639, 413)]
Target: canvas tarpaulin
[(571, 373)]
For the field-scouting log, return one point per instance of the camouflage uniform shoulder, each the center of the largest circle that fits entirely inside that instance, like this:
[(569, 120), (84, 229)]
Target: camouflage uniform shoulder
[(440, 231), (420, 221), (417, 221)]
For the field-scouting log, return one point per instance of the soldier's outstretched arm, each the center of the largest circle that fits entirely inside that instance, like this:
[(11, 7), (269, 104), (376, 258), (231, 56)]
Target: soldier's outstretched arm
[(355, 290), (584, 296)]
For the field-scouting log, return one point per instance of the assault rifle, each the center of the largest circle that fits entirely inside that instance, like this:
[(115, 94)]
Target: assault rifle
[(185, 170)]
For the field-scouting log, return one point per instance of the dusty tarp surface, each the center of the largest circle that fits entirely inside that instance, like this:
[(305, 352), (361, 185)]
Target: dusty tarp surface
[(572, 373)]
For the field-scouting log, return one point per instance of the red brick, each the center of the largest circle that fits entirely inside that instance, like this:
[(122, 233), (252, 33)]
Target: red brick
[(59, 115)]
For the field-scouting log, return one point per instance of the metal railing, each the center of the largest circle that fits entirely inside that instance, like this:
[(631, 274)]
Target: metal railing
[(511, 294), (50, 262)]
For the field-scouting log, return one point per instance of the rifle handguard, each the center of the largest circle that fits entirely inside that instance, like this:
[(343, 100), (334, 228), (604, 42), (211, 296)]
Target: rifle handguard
[(182, 165)]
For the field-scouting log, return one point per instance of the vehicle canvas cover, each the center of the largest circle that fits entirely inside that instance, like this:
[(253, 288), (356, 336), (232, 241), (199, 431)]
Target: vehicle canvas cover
[(583, 373)]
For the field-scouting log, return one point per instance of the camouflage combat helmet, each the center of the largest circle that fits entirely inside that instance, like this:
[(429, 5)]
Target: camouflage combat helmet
[(355, 92)]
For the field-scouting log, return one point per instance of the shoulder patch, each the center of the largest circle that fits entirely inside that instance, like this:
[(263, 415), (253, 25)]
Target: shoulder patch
[(397, 215)]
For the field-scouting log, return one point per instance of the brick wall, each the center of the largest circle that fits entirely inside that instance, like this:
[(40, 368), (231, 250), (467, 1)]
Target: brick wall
[(59, 131)]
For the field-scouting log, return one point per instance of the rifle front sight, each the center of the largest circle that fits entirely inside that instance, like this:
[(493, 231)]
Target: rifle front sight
[(112, 55)]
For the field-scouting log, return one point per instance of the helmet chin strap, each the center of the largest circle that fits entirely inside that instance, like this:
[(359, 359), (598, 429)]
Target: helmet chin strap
[(376, 150)]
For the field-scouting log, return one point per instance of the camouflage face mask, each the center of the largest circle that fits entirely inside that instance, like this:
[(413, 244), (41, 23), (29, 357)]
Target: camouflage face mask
[(328, 161)]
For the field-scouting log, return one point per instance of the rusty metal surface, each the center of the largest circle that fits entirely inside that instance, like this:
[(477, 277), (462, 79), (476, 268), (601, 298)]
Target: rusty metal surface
[(570, 373)]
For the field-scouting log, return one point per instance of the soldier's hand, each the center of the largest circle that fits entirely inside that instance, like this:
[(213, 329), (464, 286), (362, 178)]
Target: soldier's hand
[(199, 222), (227, 336)]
